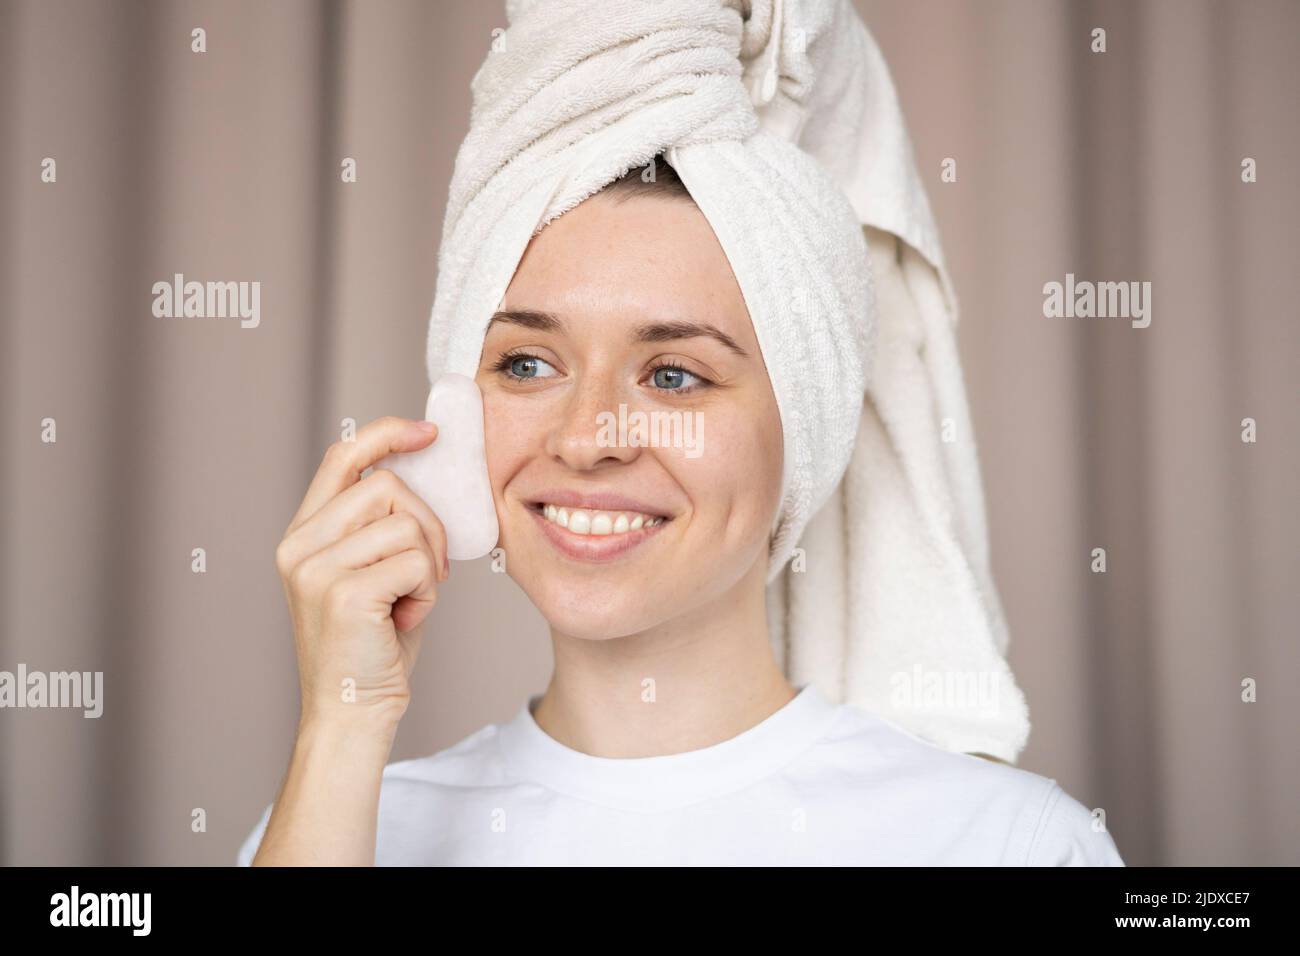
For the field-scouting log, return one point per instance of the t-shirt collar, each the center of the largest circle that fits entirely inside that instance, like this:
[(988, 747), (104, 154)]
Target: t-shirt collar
[(664, 782)]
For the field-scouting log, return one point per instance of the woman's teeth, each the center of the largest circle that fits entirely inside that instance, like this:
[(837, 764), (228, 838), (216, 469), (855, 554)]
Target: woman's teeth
[(581, 521)]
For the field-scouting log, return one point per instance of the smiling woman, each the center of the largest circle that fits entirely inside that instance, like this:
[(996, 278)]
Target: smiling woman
[(730, 286)]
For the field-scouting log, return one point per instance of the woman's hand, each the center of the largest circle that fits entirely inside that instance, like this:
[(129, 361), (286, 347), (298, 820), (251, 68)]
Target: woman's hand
[(360, 564)]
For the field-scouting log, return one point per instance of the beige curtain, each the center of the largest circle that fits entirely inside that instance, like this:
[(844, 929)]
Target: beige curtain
[(178, 434)]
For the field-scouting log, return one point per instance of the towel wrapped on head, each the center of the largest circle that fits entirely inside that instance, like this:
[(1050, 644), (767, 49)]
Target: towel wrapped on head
[(781, 119)]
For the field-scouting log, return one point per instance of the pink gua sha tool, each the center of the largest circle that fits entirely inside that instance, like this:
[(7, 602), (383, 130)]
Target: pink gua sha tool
[(451, 475)]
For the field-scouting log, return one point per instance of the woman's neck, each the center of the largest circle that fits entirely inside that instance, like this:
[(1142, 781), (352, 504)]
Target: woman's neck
[(690, 682)]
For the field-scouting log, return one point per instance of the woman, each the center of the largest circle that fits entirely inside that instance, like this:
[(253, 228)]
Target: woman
[(669, 732)]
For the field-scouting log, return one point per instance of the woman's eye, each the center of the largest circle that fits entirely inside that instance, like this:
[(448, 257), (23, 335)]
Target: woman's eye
[(520, 367), (674, 378)]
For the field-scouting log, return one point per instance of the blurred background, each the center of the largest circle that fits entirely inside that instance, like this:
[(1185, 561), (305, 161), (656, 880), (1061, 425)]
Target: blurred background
[(174, 435)]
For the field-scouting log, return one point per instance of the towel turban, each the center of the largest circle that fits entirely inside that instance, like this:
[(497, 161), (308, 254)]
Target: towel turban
[(781, 119)]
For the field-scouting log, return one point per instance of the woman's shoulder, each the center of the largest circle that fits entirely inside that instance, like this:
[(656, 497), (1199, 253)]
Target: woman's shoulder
[(1045, 825), (1070, 834)]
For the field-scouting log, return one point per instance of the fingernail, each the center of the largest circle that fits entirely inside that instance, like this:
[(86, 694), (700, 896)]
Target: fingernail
[(425, 426)]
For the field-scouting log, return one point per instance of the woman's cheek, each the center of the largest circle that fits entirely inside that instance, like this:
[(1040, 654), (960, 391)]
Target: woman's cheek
[(495, 445), (504, 440), (722, 468)]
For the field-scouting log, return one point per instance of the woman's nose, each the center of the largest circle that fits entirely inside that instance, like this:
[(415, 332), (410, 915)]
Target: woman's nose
[(586, 430)]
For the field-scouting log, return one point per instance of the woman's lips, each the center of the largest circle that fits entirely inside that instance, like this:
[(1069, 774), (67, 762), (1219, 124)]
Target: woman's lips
[(593, 547)]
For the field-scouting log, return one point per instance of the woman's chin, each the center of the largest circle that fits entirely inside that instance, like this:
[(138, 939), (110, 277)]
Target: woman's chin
[(596, 612)]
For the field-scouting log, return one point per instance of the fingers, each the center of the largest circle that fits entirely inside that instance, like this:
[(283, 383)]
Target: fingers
[(390, 535), (345, 461), (369, 543), (373, 544), (407, 579), (376, 496)]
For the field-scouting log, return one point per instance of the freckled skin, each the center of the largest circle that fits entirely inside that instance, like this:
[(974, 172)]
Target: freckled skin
[(604, 268)]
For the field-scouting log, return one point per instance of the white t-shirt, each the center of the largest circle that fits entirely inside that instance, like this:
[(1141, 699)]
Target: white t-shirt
[(814, 784)]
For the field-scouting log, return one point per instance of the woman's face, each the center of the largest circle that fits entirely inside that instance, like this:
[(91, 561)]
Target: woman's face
[(606, 394)]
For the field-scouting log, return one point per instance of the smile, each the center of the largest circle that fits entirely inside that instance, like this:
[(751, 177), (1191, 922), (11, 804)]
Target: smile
[(582, 521), (586, 534)]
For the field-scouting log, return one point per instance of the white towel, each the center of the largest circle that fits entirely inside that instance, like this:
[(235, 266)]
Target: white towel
[(781, 119)]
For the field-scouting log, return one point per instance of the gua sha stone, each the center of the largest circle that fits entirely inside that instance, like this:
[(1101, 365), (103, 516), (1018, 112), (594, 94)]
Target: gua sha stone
[(451, 474)]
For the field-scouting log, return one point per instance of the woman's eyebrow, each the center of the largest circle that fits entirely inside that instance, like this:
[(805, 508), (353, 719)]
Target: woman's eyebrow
[(529, 319), (653, 332), (666, 331)]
